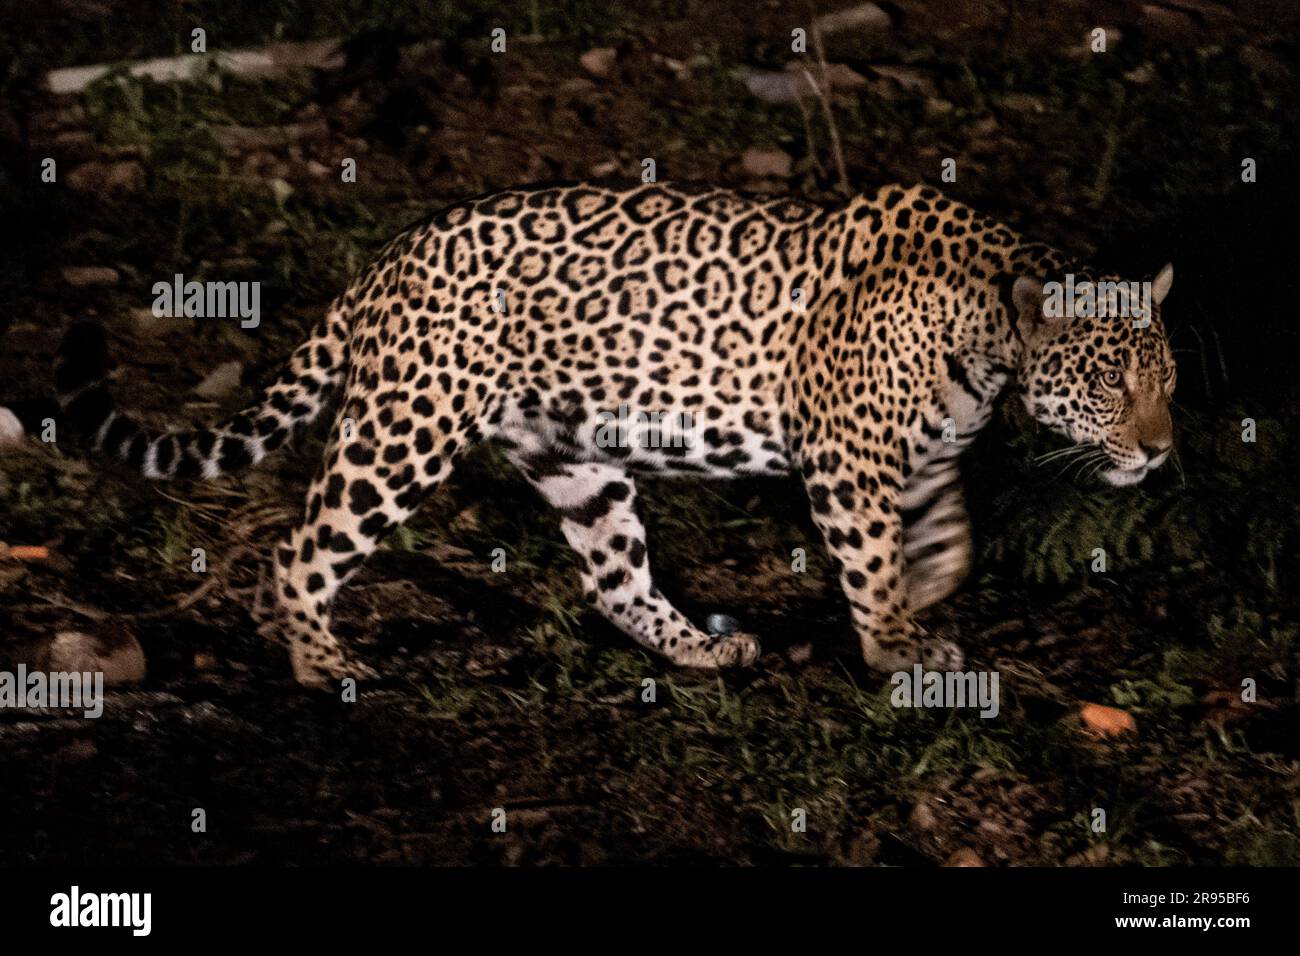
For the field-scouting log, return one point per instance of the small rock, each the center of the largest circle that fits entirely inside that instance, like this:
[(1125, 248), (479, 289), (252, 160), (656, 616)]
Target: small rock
[(221, 381), (1023, 103), (280, 188), (1141, 75), (677, 68), (599, 62), (11, 429), (114, 652), (767, 162), (909, 79), (772, 87), (935, 106), (864, 18), (792, 83), (82, 276), (964, 857), (923, 817)]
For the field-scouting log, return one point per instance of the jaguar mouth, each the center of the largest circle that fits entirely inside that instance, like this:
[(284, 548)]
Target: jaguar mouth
[(1122, 477)]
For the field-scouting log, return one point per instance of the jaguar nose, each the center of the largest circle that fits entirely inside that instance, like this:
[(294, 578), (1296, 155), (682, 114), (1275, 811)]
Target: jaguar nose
[(1156, 452)]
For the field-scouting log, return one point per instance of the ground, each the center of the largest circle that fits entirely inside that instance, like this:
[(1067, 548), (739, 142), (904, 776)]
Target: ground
[(499, 689)]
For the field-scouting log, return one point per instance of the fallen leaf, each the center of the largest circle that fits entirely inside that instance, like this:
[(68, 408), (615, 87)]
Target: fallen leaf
[(28, 552), (1107, 721)]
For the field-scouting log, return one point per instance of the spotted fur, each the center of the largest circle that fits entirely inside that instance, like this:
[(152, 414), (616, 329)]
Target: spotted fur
[(862, 346)]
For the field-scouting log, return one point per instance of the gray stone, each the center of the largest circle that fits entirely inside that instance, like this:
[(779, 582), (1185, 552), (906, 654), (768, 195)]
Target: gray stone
[(221, 381), (864, 18), (114, 652)]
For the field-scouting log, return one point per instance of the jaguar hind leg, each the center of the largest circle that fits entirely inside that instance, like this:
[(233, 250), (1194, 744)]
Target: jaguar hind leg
[(600, 523), (380, 463)]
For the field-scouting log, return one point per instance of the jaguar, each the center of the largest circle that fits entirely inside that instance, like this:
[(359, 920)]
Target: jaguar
[(861, 345)]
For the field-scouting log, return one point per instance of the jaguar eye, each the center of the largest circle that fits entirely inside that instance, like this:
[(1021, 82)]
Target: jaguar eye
[(1111, 377)]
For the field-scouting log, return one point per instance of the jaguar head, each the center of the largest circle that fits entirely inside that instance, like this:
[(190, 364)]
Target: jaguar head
[(1097, 367)]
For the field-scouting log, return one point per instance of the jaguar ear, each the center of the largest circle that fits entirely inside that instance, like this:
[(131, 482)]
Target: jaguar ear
[(1027, 294), (1035, 309), (1161, 283)]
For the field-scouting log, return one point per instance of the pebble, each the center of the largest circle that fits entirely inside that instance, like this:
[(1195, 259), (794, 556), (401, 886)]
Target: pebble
[(12, 433), (599, 62), (221, 381), (115, 652), (767, 162), (82, 276), (864, 18)]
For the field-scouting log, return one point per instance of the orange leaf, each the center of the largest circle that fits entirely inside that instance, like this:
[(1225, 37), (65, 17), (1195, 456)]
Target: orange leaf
[(1107, 721), (29, 552)]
